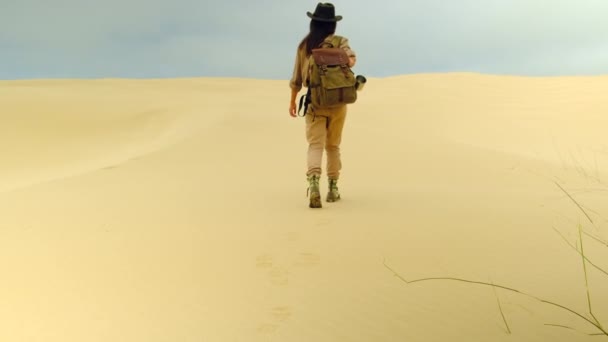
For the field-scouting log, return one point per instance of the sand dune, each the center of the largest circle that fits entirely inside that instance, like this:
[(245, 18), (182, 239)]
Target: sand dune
[(175, 210)]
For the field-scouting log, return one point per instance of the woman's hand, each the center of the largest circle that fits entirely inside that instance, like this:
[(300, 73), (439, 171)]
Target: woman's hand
[(292, 102), (352, 61), (292, 109)]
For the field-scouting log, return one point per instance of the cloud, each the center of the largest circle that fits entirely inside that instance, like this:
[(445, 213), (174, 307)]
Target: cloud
[(439, 36), (161, 38)]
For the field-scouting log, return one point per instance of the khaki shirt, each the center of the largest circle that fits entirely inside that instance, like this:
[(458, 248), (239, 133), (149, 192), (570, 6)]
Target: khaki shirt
[(300, 70)]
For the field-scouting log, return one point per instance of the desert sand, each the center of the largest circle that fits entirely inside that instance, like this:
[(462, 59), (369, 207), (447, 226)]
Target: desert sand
[(176, 210)]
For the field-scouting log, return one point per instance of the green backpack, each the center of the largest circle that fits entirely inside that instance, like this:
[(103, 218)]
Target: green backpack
[(331, 82)]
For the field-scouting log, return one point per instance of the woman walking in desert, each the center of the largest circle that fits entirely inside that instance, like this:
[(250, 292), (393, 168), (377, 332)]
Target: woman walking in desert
[(324, 128)]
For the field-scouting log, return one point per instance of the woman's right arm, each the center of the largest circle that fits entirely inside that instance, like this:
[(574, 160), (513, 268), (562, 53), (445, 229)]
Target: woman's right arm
[(352, 57)]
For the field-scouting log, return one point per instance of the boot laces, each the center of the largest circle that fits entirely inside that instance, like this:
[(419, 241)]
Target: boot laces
[(313, 181), (333, 185)]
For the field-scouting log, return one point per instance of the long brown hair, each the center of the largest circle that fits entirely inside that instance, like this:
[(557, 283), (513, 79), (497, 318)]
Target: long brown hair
[(319, 30)]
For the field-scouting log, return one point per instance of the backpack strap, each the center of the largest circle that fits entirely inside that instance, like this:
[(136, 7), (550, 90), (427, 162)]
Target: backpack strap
[(305, 100), (334, 42)]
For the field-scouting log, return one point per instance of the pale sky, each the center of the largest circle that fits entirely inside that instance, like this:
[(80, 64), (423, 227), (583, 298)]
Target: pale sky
[(257, 39)]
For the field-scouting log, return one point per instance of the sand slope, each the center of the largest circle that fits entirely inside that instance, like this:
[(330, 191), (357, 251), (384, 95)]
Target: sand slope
[(175, 210)]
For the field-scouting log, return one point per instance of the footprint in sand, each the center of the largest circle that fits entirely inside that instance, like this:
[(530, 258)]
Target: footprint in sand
[(278, 275), (281, 313), (267, 328), (307, 260), (264, 261), (278, 315)]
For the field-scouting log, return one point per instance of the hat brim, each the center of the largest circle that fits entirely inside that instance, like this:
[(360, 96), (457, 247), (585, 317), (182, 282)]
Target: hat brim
[(336, 18)]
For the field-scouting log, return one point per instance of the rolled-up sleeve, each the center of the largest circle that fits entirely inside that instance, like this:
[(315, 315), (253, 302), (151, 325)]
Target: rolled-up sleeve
[(344, 44), (296, 78)]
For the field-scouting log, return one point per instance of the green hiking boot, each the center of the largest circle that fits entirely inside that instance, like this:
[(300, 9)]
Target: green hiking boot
[(313, 192), (333, 195)]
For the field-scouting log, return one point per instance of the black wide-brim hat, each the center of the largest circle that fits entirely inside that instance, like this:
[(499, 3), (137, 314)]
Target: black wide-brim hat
[(324, 12)]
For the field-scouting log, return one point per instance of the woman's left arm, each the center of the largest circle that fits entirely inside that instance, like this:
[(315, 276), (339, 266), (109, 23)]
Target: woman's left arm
[(295, 83)]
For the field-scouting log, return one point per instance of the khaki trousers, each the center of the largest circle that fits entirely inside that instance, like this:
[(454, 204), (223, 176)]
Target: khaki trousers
[(324, 132)]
